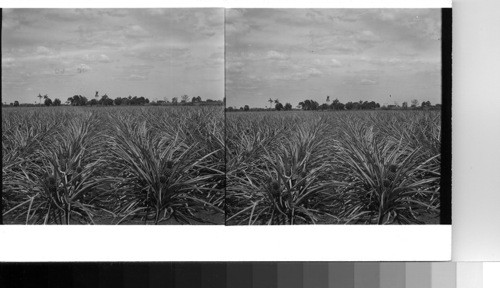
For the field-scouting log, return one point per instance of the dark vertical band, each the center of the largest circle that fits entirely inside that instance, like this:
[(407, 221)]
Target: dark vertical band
[(446, 82), (1, 21)]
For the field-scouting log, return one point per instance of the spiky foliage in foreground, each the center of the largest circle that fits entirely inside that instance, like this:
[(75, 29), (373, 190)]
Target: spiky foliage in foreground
[(160, 174), (66, 165), (59, 183), (386, 179), (352, 167), (292, 185)]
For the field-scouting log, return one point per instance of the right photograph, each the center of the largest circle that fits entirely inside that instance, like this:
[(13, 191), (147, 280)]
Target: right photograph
[(334, 116)]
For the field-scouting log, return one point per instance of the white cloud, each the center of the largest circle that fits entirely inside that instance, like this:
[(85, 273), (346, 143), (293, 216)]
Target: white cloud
[(368, 82), (367, 36), (42, 50), (276, 55), (313, 72), (103, 58), (156, 11), (136, 31), (297, 75), (8, 62), (136, 77), (327, 62), (336, 63), (235, 67)]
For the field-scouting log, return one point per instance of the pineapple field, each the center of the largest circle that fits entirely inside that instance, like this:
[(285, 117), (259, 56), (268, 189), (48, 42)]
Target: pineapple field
[(195, 165), (347, 167), (113, 165)]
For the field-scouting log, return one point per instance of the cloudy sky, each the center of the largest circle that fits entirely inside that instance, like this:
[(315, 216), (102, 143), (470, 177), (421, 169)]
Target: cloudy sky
[(349, 54), (155, 53)]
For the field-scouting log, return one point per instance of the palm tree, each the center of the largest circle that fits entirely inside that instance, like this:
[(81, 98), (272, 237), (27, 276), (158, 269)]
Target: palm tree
[(276, 102), (335, 104), (270, 102), (45, 97), (327, 99), (39, 97)]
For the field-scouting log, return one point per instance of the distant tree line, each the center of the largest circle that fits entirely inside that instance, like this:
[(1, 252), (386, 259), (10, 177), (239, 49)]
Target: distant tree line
[(105, 100), (79, 100), (337, 105), (46, 101), (278, 106), (311, 105)]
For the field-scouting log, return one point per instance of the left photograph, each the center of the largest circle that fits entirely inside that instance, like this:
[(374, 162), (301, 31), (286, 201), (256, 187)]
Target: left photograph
[(113, 116)]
